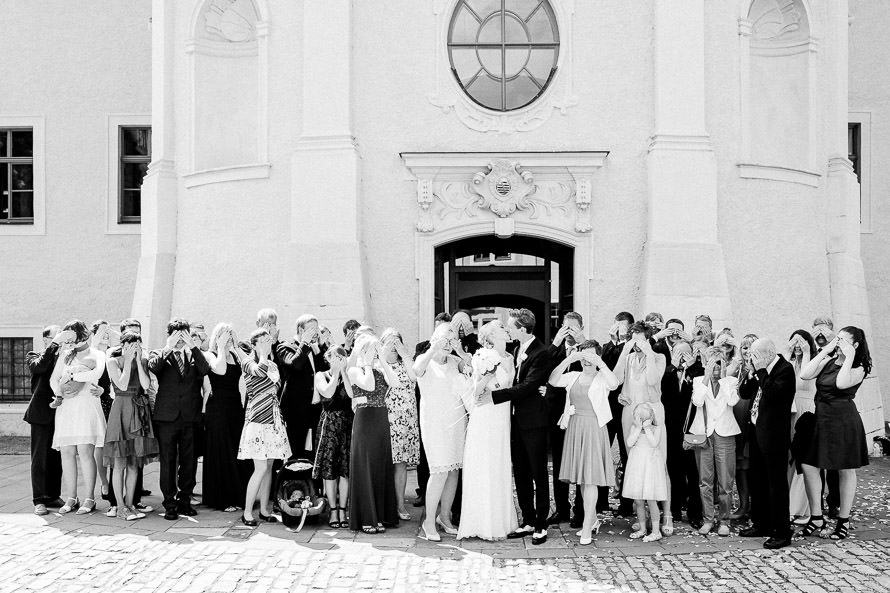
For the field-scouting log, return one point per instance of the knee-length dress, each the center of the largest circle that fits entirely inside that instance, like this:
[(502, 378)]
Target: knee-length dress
[(839, 437), (636, 388), (79, 420), (224, 476), (334, 436), (372, 490), (646, 475), (586, 451), (443, 418), (264, 435), (404, 431), (129, 432)]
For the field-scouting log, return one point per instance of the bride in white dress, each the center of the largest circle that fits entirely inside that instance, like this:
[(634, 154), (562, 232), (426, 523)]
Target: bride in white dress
[(488, 509)]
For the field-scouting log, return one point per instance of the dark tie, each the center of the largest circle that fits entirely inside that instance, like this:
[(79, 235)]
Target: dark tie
[(180, 360)]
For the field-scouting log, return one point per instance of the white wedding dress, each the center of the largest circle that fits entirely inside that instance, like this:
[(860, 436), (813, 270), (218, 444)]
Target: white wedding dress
[(488, 511)]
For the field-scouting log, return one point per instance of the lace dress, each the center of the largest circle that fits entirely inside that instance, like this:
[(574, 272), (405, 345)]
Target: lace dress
[(443, 418), (401, 406)]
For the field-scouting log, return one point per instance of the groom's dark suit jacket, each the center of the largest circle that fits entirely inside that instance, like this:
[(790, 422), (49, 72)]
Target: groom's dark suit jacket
[(529, 406)]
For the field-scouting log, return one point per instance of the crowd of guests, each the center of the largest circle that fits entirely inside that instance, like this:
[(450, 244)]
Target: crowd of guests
[(695, 415)]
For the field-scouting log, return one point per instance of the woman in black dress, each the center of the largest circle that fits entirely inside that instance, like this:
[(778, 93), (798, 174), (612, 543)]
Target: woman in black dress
[(225, 477), (334, 434), (372, 494), (839, 437)]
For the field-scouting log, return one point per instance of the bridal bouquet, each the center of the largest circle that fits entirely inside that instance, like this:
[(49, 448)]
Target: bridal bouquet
[(485, 362)]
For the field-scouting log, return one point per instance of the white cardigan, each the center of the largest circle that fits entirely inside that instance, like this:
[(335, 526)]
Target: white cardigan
[(598, 394), (719, 409)]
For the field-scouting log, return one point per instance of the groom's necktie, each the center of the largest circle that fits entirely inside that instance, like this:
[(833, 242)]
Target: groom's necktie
[(180, 361)]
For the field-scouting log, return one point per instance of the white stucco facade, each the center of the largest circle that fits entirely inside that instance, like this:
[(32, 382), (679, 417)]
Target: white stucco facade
[(312, 156)]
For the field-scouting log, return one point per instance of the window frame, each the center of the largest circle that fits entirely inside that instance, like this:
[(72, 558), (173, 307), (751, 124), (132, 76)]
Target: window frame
[(503, 45), (8, 162), (123, 160), (36, 225), (114, 124), (33, 333), (863, 118)]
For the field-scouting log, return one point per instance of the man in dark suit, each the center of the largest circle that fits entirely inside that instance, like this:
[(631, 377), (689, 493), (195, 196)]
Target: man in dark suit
[(46, 463), (772, 385), (180, 368), (569, 336), (618, 335), (528, 431), (301, 358)]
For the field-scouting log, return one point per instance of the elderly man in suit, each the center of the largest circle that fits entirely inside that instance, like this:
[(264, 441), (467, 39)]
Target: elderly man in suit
[(180, 368), (772, 384)]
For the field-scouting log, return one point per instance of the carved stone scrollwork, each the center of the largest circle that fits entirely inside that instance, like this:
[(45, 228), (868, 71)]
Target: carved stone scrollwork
[(234, 21), (505, 189)]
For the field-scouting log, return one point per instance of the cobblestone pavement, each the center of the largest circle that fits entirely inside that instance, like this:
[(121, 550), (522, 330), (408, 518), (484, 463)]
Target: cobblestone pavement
[(211, 553)]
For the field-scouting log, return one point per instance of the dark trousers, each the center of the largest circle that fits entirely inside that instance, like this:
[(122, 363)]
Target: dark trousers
[(616, 430), (296, 436), (423, 468), (176, 441), (684, 481), (769, 488), (46, 465), (529, 455), (560, 488)]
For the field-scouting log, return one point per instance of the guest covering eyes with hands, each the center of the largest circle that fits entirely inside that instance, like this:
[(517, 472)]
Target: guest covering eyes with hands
[(838, 441), (646, 480)]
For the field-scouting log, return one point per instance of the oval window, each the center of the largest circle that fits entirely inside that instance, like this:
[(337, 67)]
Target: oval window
[(503, 53)]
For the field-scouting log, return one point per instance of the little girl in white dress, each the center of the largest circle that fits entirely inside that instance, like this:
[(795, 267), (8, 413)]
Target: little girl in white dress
[(645, 480)]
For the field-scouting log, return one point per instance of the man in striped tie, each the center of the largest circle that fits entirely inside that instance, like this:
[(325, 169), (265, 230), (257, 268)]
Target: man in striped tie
[(180, 368)]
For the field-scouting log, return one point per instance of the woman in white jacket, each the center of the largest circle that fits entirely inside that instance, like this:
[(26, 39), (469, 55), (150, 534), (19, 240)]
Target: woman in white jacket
[(586, 454), (714, 394)]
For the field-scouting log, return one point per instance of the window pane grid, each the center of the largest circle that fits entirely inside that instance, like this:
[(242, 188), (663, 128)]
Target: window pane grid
[(14, 376), (134, 156), (508, 33), (16, 176)]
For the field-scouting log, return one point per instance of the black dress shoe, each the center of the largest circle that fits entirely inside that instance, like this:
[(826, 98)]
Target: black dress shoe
[(774, 543), (269, 519), (537, 540), (249, 523), (753, 532), (576, 522), (145, 492), (188, 511), (557, 518), (523, 531), (171, 515), (696, 523), (418, 502)]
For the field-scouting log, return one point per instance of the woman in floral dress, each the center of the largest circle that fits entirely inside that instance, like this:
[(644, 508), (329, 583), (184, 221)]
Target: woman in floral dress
[(401, 405)]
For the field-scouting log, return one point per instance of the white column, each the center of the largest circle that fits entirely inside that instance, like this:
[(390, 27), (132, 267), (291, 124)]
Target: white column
[(153, 295), (683, 269), (323, 271), (849, 297)]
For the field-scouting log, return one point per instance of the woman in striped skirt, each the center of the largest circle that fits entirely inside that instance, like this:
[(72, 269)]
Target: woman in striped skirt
[(264, 437)]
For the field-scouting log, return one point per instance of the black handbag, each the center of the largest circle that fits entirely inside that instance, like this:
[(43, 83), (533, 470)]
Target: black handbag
[(693, 441)]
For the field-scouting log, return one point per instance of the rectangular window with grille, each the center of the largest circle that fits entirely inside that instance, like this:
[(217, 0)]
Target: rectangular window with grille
[(134, 150), (15, 379), (854, 150), (16, 176)]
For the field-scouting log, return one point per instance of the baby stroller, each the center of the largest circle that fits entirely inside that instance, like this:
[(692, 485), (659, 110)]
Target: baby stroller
[(296, 494)]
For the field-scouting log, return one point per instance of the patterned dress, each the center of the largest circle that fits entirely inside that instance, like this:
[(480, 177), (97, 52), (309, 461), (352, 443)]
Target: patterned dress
[(334, 436), (264, 435), (404, 431)]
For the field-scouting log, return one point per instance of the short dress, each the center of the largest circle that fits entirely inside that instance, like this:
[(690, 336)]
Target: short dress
[(334, 435), (646, 474), (264, 435), (839, 436), (443, 418), (129, 433), (404, 430), (586, 450), (79, 420)]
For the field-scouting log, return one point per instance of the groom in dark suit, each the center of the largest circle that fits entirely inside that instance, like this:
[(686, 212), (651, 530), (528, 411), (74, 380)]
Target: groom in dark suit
[(528, 432), (772, 385)]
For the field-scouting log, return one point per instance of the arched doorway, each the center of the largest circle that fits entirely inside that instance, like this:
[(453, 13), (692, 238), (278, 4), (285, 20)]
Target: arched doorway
[(487, 275)]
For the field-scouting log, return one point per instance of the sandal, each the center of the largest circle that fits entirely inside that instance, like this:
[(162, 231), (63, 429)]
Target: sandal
[(638, 534), (369, 529), (334, 523), (841, 530), (668, 528), (810, 528), (381, 528), (88, 506), (231, 509), (70, 505), (344, 520)]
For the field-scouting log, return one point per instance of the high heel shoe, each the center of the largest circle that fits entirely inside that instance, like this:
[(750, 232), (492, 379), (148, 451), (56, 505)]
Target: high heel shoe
[(88, 506), (70, 505), (404, 515), (248, 522), (450, 530), (431, 538), (594, 529), (269, 518)]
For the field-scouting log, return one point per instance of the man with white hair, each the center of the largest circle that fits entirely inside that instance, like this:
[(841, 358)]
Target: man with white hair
[(771, 383), (300, 359)]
